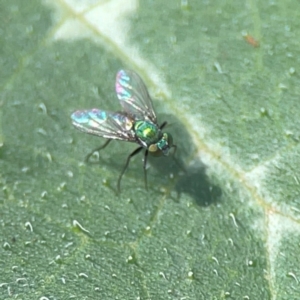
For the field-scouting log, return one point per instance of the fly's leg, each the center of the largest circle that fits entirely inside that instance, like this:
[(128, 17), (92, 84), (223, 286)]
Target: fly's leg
[(145, 170), (163, 125), (175, 149), (97, 149), (174, 146), (135, 152), (178, 163)]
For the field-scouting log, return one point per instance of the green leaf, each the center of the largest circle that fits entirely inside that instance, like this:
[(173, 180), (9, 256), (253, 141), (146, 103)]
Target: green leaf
[(220, 221)]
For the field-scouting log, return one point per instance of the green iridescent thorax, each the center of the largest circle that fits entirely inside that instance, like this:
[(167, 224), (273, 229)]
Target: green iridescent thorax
[(150, 135), (147, 132)]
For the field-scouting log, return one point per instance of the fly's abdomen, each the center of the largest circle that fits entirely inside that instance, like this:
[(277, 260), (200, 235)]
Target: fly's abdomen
[(147, 132)]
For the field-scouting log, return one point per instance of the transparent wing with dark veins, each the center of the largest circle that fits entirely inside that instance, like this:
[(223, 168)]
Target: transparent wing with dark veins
[(134, 97), (109, 125)]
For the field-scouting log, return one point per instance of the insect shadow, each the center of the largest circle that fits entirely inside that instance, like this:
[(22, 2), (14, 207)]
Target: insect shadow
[(188, 178)]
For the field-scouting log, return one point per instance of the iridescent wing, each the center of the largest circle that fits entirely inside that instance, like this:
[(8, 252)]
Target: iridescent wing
[(110, 125), (134, 97)]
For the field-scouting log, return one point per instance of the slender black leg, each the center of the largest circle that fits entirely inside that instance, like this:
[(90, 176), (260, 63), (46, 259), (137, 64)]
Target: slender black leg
[(163, 125), (174, 146), (136, 151), (145, 170), (177, 161), (97, 149)]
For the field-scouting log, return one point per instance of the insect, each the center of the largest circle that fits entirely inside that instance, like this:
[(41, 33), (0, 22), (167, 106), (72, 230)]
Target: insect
[(137, 122)]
